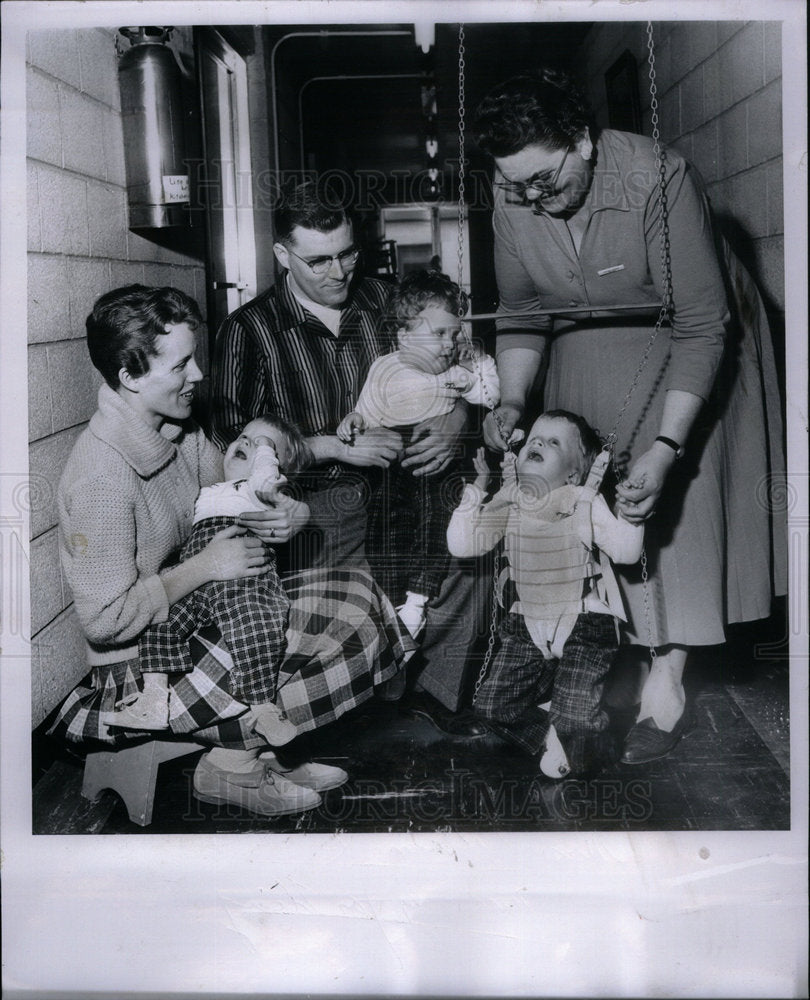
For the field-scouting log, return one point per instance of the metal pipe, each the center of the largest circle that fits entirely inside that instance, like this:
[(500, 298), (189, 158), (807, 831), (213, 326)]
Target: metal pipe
[(570, 311), (342, 76), (320, 33)]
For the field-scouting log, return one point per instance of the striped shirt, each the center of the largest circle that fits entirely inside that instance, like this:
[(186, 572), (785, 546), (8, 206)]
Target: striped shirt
[(273, 355)]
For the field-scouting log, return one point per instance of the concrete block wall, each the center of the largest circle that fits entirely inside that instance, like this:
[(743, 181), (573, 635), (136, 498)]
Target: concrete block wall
[(719, 89), (79, 246)]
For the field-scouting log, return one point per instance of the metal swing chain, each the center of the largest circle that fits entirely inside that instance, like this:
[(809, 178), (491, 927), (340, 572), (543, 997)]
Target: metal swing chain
[(665, 311), (489, 402)]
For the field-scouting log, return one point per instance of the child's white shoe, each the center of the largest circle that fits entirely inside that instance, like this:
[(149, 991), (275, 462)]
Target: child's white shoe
[(148, 709), (413, 613), (554, 763), (271, 722)]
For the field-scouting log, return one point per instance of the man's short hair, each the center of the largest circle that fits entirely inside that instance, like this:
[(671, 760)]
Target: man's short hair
[(305, 204), (423, 288), (125, 323)]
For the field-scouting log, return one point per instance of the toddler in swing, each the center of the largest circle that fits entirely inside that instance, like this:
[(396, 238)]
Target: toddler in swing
[(250, 612), (408, 515), (559, 638)]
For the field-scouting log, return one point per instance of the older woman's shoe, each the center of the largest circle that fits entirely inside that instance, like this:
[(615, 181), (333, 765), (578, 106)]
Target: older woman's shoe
[(646, 742), (318, 777), (259, 790)]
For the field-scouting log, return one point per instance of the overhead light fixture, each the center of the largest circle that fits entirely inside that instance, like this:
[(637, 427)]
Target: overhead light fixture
[(424, 33)]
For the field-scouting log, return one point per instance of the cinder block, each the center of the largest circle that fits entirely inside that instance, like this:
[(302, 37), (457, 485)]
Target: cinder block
[(87, 279), (47, 600), (34, 228), (46, 460), (765, 123), (40, 419), (692, 111), (772, 49), (82, 134), (57, 53), (62, 659), (732, 140), (99, 65), (776, 210), (713, 90), (113, 147), (704, 151), (63, 212), (74, 383), (769, 253), (692, 43), (106, 205), (727, 30), (42, 118), (745, 52), (750, 195), (48, 303), (125, 273)]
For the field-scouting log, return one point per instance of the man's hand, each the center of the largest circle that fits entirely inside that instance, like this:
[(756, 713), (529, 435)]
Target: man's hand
[(378, 446), (436, 442)]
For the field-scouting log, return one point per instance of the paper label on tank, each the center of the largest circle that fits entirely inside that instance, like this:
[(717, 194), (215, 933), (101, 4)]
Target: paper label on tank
[(175, 188)]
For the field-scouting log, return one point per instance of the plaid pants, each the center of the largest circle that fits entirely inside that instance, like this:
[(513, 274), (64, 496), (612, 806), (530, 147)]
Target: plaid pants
[(406, 534), (520, 679), (250, 612)]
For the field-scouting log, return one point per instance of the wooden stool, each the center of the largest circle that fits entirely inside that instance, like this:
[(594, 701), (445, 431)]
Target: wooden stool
[(132, 772)]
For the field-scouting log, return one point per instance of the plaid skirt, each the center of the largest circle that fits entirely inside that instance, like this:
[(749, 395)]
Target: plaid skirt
[(343, 640)]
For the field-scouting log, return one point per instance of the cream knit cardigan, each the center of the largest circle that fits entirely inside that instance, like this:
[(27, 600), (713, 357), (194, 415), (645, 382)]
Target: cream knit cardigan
[(125, 500)]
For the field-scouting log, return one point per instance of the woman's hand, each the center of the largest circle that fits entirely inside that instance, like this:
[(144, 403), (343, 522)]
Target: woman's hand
[(277, 523), (638, 494), (499, 425), (435, 442), (232, 554)]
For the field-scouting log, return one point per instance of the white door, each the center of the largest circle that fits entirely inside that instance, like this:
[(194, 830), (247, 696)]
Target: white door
[(228, 186)]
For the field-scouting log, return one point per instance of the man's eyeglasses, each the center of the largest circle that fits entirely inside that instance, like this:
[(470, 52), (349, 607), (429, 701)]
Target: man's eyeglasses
[(323, 265), (542, 188)]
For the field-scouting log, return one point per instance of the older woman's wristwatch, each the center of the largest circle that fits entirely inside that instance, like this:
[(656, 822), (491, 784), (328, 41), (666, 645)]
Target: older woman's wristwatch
[(671, 444)]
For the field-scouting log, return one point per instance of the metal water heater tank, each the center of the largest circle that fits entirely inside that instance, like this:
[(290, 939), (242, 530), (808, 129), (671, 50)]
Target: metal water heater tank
[(154, 143)]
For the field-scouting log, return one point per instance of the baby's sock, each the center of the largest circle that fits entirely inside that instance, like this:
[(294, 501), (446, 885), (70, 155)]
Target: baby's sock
[(413, 612), (155, 682), (554, 763), (272, 723), (226, 759)]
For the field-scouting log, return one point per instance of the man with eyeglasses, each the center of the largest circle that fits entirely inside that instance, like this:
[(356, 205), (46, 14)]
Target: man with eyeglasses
[(302, 350)]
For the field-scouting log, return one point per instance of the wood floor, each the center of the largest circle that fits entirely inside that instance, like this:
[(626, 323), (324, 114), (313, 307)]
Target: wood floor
[(730, 773)]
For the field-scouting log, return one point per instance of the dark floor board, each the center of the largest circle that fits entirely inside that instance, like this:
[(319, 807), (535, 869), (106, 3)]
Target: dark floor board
[(406, 776)]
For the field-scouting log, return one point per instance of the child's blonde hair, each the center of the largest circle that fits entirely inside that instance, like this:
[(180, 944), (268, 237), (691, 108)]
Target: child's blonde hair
[(301, 456)]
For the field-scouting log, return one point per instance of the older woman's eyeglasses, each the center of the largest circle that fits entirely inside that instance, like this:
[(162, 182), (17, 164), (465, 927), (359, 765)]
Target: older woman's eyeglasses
[(543, 184), (323, 265)]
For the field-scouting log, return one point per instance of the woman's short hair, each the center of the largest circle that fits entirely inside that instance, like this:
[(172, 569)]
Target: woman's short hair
[(123, 328), (423, 288), (301, 456), (308, 205), (545, 108)]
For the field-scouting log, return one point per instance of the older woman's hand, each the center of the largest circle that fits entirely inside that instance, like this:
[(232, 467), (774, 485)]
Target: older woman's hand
[(499, 425), (638, 494), (278, 522), (232, 554)]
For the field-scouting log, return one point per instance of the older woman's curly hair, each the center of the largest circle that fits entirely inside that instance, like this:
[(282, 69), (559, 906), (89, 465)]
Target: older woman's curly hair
[(546, 108)]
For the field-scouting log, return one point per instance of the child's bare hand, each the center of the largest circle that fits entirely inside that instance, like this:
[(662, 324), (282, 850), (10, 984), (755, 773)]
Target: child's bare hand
[(350, 425), (480, 462), (481, 468)]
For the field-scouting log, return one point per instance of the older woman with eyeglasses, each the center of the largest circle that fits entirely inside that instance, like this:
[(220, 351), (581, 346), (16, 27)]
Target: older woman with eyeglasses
[(577, 223)]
